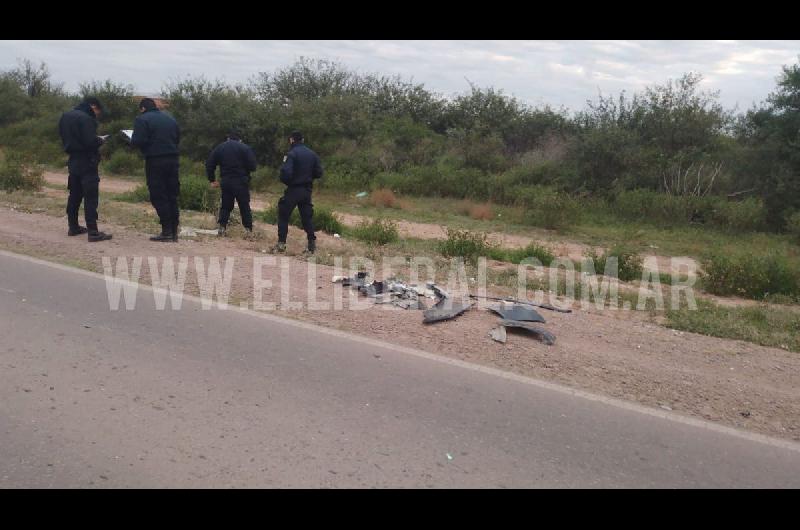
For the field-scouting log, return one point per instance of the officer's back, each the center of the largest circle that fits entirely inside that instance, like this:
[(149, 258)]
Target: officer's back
[(79, 132), (156, 133), (234, 158), (301, 167)]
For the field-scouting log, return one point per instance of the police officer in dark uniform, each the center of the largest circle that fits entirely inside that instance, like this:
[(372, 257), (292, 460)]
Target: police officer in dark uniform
[(78, 129), (157, 134), (235, 160), (300, 167)]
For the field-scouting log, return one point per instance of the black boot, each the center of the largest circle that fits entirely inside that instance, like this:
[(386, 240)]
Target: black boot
[(175, 231), (95, 235), (76, 230), (165, 235), (312, 247)]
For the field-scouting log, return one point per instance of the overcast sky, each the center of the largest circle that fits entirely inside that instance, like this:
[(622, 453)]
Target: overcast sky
[(537, 72)]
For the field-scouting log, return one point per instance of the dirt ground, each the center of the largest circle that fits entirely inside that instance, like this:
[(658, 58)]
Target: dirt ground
[(615, 353), (564, 249)]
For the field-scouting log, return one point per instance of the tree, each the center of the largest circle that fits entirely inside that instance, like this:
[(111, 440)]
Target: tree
[(34, 81), (772, 134)]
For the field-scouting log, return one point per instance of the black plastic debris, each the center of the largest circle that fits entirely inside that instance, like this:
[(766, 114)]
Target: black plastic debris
[(373, 289), (517, 312), (540, 333), (441, 311), (359, 280)]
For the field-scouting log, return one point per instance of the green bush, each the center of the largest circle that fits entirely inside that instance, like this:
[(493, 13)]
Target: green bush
[(547, 207), (124, 162), (466, 244), (629, 262), (750, 275), (323, 219), (746, 215), (139, 194), (517, 255), (196, 194), (377, 231), (20, 172)]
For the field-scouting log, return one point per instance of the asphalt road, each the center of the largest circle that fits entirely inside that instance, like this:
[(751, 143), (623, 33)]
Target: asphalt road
[(91, 397)]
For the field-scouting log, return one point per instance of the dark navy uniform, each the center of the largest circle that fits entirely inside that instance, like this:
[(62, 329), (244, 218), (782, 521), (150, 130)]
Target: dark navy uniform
[(235, 160), (300, 167), (157, 134), (78, 129)]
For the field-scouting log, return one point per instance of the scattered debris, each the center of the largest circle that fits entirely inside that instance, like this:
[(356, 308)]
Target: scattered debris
[(517, 312), (337, 236), (391, 291), (449, 456), (498, 334), (525, 302), (361, 194), (542, 334)]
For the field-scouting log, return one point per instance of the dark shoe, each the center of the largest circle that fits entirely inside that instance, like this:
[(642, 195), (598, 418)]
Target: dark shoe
[(175, 232), (76, 231), (221, 231), (95, 236), (278, 248), (165, 235)]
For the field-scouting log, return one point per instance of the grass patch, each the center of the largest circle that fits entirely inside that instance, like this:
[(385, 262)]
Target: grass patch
[(517, 255), (760, 324)]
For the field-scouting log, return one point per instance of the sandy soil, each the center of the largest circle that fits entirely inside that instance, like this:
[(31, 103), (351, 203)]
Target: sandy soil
[(614, 353)]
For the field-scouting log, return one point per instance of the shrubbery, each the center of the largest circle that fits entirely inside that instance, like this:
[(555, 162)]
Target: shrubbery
[(323, 219), (377, 231), (124, 163), (20, 172), (628, 262), (196, 194), (465, 244), (517, 255), (793, 226), (751, 275), (376, 132)]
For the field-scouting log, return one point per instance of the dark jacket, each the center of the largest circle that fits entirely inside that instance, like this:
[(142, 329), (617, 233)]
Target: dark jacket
[(235, 160), (300, 167), (78, 129), (156, 134)]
